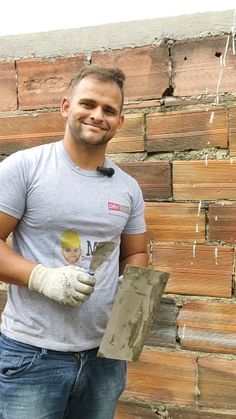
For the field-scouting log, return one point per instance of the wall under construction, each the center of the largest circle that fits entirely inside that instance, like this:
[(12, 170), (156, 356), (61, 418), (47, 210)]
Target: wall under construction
[(179, 142)]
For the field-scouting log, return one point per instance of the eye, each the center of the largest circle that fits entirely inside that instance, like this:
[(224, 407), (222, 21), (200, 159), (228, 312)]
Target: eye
[(110, 111), (87, 105)]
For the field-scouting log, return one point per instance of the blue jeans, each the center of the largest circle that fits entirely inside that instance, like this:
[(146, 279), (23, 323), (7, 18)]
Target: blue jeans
[(37, 383)]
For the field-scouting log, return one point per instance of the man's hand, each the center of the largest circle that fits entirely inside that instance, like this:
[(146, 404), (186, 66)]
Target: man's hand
[(68, 285)]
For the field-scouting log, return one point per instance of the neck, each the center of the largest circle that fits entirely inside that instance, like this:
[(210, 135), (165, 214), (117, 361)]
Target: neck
[(85, 156)]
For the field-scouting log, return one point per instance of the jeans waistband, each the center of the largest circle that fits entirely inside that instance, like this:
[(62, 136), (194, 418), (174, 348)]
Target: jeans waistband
[(44, 351)]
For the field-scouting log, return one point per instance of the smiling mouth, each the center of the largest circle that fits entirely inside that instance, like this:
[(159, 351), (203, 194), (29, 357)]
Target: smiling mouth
[(94, 126)]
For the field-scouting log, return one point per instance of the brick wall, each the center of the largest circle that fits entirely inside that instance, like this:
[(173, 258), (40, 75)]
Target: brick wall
[(179, 142)]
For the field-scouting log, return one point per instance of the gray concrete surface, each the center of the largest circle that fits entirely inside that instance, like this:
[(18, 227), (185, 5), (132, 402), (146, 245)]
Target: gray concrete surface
[(115, 36)]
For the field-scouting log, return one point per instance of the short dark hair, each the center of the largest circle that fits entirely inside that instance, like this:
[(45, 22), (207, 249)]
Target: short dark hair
[(105, 74)]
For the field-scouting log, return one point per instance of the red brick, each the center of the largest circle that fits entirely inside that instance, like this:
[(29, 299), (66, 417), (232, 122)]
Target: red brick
[(199, 180), (43, 83), (130, 138), (154, 178), (8, 87), (186, 130), (134, 411), (222, 222), (129, 410), (217, 383), (175, 222), (146, 69), (195, 270), (25, 131), (232, 131), (209, 327), (197, 69), (162, 376)]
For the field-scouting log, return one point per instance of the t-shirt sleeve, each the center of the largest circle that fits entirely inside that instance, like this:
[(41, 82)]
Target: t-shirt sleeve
[(13, 186), (136, 221)]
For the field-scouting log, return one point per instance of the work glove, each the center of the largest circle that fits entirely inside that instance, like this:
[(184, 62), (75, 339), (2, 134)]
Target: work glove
[(69, 285)]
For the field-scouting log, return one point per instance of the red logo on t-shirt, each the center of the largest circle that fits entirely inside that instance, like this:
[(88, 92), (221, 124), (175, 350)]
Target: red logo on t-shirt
[(112, 206)]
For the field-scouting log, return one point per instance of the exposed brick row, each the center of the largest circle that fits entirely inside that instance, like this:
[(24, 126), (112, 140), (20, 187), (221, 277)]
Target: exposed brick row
[(181, 378), (197, 66)]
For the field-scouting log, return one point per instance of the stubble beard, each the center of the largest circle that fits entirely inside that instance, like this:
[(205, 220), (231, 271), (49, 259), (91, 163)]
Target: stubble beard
[(81, 138)]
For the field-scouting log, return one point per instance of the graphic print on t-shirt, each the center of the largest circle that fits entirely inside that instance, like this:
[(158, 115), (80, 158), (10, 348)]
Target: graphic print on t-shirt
[(75, 252), (71, 246)]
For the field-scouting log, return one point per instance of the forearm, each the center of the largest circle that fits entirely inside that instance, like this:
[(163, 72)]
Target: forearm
[(14, 269), (137, 259)]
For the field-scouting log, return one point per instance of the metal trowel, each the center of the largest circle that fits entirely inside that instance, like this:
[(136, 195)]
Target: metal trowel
[(102, 252)]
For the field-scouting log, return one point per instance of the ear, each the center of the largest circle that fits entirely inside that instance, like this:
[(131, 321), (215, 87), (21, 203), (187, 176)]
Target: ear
[(65, 104), (121, 122)]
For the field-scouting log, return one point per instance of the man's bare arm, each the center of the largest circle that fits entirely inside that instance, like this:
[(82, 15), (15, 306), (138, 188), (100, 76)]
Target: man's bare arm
[(14, 268), (133, 251)]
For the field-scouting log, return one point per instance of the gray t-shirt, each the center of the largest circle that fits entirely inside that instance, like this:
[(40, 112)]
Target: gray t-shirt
[(64, 211)]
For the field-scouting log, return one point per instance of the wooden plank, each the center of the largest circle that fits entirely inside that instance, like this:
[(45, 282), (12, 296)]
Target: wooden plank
[(187, 130), (209, 327), (175, 222), (154, 178), (139, 291), (195, 270), (204, 180)]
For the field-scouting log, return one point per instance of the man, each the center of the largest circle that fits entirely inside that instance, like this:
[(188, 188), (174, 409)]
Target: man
[(56, 313)]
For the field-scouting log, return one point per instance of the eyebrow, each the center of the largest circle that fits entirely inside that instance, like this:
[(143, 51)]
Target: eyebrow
[(93, 102)]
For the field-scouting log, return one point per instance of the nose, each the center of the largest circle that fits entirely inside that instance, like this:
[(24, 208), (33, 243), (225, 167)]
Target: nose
[(97, 114)]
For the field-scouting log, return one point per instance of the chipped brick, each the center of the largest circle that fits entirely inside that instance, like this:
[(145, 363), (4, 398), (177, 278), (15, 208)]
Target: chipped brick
[(198, 68), (146, 69)]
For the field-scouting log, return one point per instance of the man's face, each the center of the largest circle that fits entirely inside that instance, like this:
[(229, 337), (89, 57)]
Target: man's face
[(94, 111), (72, 254)]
